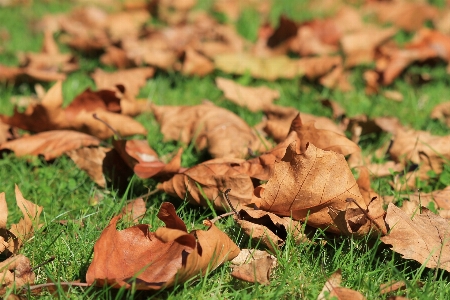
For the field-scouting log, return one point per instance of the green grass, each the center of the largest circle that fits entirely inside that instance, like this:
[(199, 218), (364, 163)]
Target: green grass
[(67, 193)]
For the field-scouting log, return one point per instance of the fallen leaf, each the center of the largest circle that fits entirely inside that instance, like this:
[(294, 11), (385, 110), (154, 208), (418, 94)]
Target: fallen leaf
[(90, 160), (254, 98), (205, 183), (222, 132), (11, 240), (323, 139), (50, 144), (155, 260), (15, 272), (268, 228), (279, 120), (305, 185), (131, 79), (253, 266), (332, 288), (423, 237), (135, 210), (196, 64)]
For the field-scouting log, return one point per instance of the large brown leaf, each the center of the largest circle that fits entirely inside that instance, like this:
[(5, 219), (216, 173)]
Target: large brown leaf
[(222, 132), (423, 237), (50, 144), (157, 259), (305, 185), (50, 115), (15, 272)]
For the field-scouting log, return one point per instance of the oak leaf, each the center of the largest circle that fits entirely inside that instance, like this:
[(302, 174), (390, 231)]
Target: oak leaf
[(155, 260), (423, 237)]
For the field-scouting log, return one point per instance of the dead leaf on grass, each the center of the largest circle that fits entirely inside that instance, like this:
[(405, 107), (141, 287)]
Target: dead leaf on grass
[(253, 266), (15, 272), (254, 98), (423, 237), (332, 288), (157, 259)]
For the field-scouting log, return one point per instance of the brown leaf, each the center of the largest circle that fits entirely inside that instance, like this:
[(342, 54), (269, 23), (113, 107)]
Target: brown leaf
[(254, 98), (333, 289), (50, 144), (305, 185), (424, 237), (132, 80), (253, 266), (196, 64), (134, 210), (90, 160), (222, 132), (268, 228), (322, 138), (207, 181), (160, 259), (15, 272), (441, 112), (49, 115), (280, 119)]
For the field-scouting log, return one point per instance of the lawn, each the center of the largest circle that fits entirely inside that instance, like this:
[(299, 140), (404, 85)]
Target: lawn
[(76, 210)]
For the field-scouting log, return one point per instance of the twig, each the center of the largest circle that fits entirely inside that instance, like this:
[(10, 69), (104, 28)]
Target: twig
[(43, 285), (149, 194), (52, 258), (227, 191), (222, 216), (383, 231), (116, 133)]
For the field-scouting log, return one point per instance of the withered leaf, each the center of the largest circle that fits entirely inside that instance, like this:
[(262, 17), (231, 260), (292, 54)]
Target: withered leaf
[(50, 144), (332, 289), (253, 265), (11, 240), (269, 228), (305, 185), (15, 272), (157, 259), (254, 98), (423, 237), (91, 161), (222, 132)]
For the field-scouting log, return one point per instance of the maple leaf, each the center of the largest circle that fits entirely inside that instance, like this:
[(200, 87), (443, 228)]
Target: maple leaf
[(305, 185), (222, 132), (158, 259), (11, 240), (423, 237)]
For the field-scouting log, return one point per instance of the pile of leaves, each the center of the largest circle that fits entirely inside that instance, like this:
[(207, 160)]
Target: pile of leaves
[(291, 171)]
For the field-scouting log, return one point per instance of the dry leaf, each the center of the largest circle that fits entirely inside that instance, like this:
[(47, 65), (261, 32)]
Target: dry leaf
[(423, 237), (11, 240), (135, 210), (90, 160), (332, 289), (305, 185), (268, 228), (254, 98), (15, 272), (50, 144), (253, 266), (222, 132), (157, 259)]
